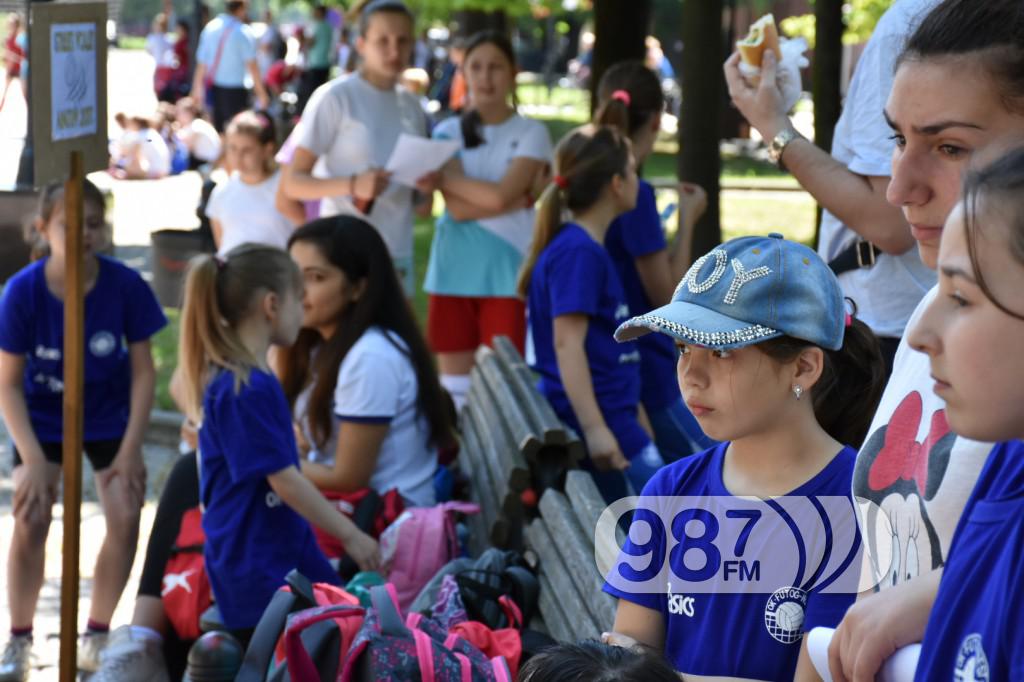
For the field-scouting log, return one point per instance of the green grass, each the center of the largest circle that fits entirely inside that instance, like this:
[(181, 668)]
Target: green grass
[(131, 42), (165, 358)]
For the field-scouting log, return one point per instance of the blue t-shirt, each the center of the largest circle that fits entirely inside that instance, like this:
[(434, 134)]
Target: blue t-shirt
[(574, 274), (976, 627), (253, 539), (753, 632), (120, 309), (239, 48), (633, 235)]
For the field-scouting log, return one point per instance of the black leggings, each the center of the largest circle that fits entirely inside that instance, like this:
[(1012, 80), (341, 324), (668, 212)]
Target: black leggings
[(181, 493)]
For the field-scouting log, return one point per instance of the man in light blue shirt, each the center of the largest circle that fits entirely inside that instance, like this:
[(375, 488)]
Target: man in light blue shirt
[(226, 65)]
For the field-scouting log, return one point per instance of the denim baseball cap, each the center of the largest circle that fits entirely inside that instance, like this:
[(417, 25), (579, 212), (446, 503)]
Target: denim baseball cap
[(749, 290)]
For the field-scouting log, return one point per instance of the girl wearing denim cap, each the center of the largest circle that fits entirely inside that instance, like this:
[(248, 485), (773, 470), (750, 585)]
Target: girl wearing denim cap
[(771, 364), (575, 300)]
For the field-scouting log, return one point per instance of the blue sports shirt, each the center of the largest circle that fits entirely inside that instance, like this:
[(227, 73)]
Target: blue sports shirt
[(633, 235), (253, 539), (120, 309), (575, 275), (734, 630), (976, 628)]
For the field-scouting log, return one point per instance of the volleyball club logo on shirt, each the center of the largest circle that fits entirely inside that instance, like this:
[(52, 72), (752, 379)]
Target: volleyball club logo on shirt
[(102, 344), (971, 661), (784, 614)]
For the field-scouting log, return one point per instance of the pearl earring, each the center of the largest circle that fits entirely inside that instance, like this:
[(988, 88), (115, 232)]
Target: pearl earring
[(798, 391)]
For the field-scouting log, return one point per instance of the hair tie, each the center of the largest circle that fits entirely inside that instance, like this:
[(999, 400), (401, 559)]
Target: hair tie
[(849, 319), (623, 97), (561, 182)]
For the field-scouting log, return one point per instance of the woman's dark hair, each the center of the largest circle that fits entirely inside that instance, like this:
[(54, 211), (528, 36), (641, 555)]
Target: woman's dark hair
[(643, 98), (851, 382), (592, 661), (356, 248), (470, 121), (991, 30), (368, 9), (586, 160), (998, 186)]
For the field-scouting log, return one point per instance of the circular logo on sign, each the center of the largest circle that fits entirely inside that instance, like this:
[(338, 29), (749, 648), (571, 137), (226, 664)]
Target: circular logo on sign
[(784, 614), (971, 661), (102, 344)]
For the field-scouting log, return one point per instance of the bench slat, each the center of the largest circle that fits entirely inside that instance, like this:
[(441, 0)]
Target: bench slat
[(499, 414), (511, 414), (479, 478), (542, 417), (571, 602), (577, 552)]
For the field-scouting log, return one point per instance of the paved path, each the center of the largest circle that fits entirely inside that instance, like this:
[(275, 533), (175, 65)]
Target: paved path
[(159, 458)]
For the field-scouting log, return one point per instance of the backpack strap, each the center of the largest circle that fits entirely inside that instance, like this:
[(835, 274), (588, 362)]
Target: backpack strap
[(264, 638), (424, 655), (385, 602), (300, 665)]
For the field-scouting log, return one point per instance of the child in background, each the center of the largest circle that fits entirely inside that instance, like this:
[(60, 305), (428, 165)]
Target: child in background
[(575, 301), (199, 136), (630, 98), (350, 128), (121, 314), (244, 209), (483, 234), (972, 332), (760, 324), (257, 505), (141, 152)]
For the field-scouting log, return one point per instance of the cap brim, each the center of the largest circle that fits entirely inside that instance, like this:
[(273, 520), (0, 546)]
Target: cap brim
[(695, 325)]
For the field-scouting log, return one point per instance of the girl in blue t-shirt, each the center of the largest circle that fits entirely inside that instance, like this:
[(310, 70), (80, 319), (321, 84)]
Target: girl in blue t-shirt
[(973, 331), (770, 364), (121, 314), (575, 301), (257, 505), (367, 403), (630, 99)]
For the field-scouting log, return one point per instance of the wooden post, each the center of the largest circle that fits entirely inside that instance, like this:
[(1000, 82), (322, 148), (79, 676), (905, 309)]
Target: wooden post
[(74, 380)]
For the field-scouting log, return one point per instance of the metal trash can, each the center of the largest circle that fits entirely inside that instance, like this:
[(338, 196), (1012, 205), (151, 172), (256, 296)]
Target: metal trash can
[(172, 250)]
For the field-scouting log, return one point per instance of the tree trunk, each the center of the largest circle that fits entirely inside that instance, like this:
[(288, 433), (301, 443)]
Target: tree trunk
[(620, 29), (700, 123), (828, 62)]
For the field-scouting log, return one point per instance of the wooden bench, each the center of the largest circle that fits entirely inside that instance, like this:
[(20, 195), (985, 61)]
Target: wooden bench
[(514, 446), (572, 603), (516, 450)]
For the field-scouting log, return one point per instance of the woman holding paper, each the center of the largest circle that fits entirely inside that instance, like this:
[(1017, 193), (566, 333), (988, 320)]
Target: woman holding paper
[(487, 224), (352, 124)]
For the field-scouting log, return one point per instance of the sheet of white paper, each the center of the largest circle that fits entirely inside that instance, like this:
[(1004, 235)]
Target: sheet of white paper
[(415, 156), (899, 667)]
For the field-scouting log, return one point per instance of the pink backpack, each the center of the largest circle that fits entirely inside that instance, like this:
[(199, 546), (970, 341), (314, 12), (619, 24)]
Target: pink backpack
[(418, 544)]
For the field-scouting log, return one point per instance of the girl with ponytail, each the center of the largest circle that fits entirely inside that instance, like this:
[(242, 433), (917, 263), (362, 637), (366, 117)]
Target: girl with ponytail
[(258, 507), (631, 100), (575, 301)]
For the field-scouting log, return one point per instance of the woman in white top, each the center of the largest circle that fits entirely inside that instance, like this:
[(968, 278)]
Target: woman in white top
[(369, 409), (243, 209), (484, 232)]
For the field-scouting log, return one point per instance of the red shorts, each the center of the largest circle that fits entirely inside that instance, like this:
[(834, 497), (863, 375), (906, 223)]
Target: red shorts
[(456, 324)]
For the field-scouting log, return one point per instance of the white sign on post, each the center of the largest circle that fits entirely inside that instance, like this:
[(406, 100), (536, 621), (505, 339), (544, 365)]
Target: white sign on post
[(73, 81)]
